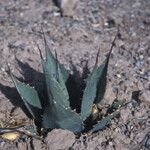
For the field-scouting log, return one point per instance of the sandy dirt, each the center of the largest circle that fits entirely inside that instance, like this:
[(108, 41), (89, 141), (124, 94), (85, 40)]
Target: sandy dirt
[(78, 38)]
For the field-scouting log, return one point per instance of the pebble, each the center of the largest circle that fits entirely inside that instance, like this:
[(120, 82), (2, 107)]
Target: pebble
[(3, 69), (111, 143)]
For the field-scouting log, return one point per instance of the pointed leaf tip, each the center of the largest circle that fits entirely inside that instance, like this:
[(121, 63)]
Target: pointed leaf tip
[(56, 75), (104, 122), (29, 93), (30, 97), (96, 85), (89, 95), (102, 73)]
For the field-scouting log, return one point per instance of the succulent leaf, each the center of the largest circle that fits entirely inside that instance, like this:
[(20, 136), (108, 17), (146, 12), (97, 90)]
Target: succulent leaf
[(57, 116), (102, 81), (95, 88), (30, 98), (89, 94), (51, 64), (115, 105), (59, 93), (64, 72), (102, 124), (55, 75)]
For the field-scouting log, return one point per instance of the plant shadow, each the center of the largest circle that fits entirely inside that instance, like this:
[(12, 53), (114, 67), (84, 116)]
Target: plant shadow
[(13, 96), (76, 85), (38, 83), (35, 78)]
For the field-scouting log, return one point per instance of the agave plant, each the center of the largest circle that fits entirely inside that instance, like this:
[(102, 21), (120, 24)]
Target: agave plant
[(58, 112)]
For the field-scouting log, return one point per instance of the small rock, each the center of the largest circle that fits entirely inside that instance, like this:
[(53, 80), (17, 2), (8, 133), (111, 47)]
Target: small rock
[(125, 114), (60, 139), (67, 7), (37, 144), (146, 95), (111, 143)]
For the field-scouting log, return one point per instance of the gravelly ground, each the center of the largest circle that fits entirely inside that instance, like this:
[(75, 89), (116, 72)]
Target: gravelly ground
[(93, 25)]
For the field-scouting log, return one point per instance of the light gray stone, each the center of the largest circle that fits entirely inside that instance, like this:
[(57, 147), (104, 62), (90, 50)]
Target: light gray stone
[(59, 139)]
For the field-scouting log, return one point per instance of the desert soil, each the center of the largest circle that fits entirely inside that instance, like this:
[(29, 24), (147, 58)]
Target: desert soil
[(78, 38)]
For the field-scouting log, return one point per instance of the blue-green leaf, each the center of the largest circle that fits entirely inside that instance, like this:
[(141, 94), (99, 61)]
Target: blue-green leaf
[(102, 71), (59, 92), (102, 80), (59, 113), (30, 98), (102, 124), (51, 64), (56, 75), (64, 72), (89, 95), (57, 116), (95, 88)]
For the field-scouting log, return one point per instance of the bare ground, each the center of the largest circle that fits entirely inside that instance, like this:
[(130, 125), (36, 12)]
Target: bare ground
[(93, 25)]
